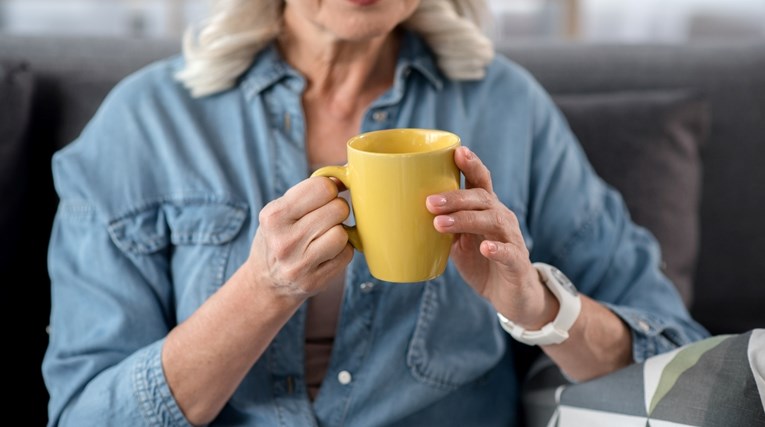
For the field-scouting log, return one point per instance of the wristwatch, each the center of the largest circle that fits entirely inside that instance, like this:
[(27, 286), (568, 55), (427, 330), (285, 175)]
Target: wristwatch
[(556, 331)]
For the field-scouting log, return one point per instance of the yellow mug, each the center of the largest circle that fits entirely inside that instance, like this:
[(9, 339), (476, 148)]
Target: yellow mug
[(389, 174)]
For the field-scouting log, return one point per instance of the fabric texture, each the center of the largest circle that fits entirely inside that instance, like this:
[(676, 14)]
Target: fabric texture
[(16, 89), (647, 144), (710, 383)]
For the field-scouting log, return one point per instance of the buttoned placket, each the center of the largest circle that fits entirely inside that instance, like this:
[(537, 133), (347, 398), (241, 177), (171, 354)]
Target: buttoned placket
[(286, 353), (351, 345), (357, 310)]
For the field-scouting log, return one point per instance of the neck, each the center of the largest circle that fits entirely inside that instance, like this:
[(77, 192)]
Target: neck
[(340, 72)]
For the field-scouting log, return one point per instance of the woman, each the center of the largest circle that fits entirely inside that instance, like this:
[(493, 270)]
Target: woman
[(200, 277)]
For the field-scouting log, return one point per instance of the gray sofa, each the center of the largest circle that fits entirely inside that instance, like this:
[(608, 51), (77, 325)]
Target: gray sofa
[(679, 129)]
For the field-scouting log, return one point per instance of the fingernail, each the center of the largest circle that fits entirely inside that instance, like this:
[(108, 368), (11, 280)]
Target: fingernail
[(468, 154), (492, 247), (437, 200), (444, 221)]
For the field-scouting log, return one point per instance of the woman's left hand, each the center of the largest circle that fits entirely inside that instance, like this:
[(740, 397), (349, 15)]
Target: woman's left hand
[(488, 249)]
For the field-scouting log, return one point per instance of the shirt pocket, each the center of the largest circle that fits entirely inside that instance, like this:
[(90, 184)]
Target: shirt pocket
[(457, 339), (188, 240)]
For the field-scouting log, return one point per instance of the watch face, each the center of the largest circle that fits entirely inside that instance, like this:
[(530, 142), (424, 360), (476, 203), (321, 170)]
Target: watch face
[(563, 280)]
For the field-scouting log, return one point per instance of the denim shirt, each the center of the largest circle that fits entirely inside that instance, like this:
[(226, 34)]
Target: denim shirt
[(159, 202)]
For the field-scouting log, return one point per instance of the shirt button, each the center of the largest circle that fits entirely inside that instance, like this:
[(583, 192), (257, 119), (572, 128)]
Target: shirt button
[(367, 287), (644, 326), (380, 116), (344, 377)]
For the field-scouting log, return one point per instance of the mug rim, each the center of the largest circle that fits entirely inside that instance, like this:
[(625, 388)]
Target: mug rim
[(457, 142)]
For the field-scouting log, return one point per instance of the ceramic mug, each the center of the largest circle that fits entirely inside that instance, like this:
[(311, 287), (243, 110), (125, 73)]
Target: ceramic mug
[(389, 174)]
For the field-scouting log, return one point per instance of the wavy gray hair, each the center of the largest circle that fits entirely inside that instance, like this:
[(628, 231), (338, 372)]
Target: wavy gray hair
[(237, 30)]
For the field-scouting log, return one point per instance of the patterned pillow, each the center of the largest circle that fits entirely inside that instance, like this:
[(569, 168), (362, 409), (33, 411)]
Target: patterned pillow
[(719, 381)]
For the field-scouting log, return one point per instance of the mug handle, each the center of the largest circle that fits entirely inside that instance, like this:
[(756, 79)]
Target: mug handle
[(341, 173)]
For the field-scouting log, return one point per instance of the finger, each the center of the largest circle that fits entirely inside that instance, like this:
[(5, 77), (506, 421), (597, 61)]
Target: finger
[(461, 200), (327, 246), (495, 224), (503, 253), (305, 197), (318, 221), (331, 267), (476, 174)]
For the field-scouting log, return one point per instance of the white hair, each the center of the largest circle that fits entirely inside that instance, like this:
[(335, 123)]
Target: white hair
[(218, 53)]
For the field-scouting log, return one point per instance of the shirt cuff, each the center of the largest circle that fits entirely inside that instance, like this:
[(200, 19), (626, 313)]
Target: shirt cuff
[(154, 397), (651, 335)]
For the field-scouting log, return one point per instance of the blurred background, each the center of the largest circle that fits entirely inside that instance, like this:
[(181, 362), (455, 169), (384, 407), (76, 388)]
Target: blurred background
[(620, 21)]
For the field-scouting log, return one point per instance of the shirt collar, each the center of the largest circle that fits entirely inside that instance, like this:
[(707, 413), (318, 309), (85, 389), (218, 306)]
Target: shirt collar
[(267, 69), (415, 53), (270, 68)]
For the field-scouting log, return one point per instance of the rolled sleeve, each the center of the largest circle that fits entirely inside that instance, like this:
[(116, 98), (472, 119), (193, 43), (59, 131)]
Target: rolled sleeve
[(152, 392), (652, 335)]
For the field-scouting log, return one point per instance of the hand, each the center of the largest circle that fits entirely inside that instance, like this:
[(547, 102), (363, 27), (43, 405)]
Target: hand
[(300, 242), (488, 249)]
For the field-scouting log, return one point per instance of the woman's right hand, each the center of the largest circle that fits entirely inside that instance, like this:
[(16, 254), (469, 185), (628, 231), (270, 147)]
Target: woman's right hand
[(299, 245), (300, 242)]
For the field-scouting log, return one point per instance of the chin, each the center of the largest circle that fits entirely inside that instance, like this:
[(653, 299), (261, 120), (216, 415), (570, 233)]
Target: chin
[(352, 20)]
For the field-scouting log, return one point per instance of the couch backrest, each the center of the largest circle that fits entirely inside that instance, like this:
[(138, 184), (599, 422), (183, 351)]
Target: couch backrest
[(73, 75)]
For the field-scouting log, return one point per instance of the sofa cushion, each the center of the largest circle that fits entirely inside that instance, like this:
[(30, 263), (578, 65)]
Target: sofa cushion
[(647, 145), (16, 84)]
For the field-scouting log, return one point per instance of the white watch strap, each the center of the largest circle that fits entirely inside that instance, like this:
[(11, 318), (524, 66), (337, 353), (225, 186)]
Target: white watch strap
[(556, 331)]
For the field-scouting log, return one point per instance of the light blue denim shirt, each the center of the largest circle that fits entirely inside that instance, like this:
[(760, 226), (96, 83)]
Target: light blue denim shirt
[(159, 203)]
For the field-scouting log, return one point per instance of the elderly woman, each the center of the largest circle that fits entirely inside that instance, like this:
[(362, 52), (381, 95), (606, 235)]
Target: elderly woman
[(200, 277)]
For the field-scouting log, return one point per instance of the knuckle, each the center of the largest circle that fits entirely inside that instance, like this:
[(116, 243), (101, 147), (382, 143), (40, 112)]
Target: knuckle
[(327, 189), (498, 219), (340, 208), (270, 214), (474, 196), (338, 235), (511, 217), (458, 198), (485, 197), (264, 217)]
